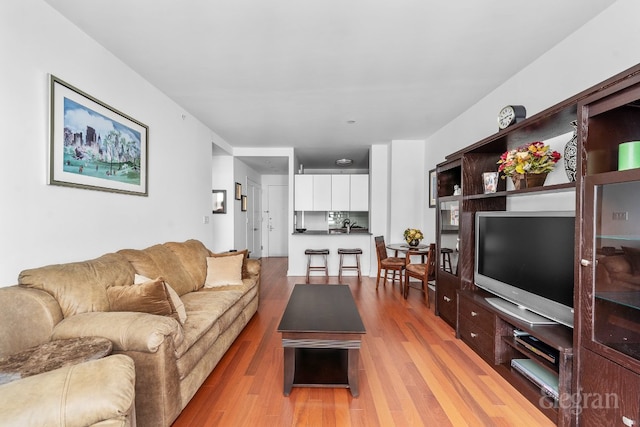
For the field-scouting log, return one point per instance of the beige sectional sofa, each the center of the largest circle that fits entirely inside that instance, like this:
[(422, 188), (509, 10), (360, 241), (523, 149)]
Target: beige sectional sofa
[(172, 359)]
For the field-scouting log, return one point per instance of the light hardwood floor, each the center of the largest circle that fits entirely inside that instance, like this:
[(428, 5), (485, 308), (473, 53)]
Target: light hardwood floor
[(413, 371)]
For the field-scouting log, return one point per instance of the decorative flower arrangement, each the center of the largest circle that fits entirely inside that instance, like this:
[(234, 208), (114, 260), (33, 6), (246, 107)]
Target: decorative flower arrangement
[(413, 236), (532, 158)]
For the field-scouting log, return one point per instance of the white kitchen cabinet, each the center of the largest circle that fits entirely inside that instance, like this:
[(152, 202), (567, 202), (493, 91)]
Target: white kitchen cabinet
[(359, 193), (321, 192), (331, 192), (340, 191), (303, 192)]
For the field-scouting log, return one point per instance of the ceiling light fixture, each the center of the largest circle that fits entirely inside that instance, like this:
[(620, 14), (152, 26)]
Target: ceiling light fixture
[(344, 162), (351, 122)]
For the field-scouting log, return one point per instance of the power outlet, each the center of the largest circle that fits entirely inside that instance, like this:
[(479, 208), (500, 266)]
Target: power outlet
[(620, 216), (205, 219)]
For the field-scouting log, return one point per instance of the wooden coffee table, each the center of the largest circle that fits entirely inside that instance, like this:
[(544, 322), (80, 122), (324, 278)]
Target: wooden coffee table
[(321, 335)]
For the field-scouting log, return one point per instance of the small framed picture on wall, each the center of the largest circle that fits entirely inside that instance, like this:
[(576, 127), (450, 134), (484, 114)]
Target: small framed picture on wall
[(219, 201)]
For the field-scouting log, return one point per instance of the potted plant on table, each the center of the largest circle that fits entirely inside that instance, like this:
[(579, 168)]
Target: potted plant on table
[(528, 165), (413, 236)]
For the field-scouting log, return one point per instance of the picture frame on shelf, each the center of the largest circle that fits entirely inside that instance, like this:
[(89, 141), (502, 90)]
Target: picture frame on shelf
[(490, 182), (219, 201), (243, 203), (94, 146), (433, 187), (238, 191)]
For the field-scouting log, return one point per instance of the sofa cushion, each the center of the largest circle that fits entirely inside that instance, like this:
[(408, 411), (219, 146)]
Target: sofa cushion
[(80, 287), (211, 313), (149, 297), (245, 257), (193, 256), (98, 392), (174, 298), (224, 271), (157, 261)]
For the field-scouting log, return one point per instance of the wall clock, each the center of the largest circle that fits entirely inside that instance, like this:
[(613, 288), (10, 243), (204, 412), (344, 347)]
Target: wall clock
[(510, 115)]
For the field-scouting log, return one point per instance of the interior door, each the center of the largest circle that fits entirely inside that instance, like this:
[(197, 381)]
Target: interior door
[(254, 219), (277, 197)]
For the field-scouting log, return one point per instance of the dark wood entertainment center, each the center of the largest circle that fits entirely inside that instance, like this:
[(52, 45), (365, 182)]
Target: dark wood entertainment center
[(600, 357)]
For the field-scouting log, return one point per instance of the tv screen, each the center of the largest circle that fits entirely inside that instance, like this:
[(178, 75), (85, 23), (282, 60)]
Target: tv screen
[(527, 258)]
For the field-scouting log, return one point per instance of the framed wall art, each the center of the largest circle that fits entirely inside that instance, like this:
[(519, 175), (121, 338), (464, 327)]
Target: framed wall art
[(94, 146), (219, 201), (433, 187)]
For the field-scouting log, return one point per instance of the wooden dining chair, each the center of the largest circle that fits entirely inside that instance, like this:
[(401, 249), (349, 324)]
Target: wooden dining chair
[(425, 271), (387, 263)]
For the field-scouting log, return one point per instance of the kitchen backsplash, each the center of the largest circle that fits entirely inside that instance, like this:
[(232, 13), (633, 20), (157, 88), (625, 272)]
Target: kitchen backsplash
[(333, 219), (336, 219)]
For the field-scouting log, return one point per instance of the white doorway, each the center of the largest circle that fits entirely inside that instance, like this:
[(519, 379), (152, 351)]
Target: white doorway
[(277, 215), (254, 218)]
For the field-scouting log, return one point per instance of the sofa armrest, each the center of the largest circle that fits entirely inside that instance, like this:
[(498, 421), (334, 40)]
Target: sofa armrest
[(128, 331), (253, 267), (83, 394)]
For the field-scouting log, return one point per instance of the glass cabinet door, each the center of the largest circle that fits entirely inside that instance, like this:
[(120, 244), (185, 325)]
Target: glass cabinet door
[(449, 237), (616, 290)]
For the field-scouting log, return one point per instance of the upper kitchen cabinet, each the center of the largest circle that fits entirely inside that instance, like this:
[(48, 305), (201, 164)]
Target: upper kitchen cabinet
[(332, 192), (303, 192), (312, 192), (340, 189), (321, 192), (350, 193), (359, 193)]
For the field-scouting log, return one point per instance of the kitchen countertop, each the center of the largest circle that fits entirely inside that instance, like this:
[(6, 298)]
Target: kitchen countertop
[(334, 232)]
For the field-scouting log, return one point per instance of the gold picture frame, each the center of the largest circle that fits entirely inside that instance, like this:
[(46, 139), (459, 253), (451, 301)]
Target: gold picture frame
[(93, 145)]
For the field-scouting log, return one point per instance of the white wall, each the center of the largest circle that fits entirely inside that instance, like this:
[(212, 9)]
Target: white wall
[(600, 49), (407, 191), (42, 224), (242, 173), (222, 225), (379, 206)]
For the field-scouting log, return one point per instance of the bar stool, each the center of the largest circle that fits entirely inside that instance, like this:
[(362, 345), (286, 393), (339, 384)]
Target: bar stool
[(309, 253), (342, 252), (446, 259)]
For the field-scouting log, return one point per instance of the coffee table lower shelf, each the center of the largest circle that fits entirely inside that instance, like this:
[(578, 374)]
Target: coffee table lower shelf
[(319, 363)]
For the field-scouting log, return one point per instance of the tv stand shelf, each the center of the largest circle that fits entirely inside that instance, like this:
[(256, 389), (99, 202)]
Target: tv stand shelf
[(490, 332)]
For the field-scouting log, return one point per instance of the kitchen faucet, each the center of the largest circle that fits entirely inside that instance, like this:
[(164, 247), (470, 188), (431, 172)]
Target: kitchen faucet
[(347, 223)]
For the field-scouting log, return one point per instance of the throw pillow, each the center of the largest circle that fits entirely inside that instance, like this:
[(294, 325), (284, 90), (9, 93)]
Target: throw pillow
[(224, 271), (174, 298), (633, 256), (245, 255), (150, 297)]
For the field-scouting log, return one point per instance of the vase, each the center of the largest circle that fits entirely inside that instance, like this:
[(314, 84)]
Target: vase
[(571, 154), (528, 180), (413, 243)]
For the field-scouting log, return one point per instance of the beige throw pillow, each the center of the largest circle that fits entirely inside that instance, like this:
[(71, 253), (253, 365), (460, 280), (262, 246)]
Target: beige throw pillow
[(245, 255), (150, 297), (224, 271), (174, 298)]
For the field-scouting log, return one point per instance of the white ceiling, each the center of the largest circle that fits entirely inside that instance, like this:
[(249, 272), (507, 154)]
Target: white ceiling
[(293, 73)]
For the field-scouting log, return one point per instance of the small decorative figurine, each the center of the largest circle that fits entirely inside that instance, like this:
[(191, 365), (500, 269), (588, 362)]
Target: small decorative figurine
[(457, 191)]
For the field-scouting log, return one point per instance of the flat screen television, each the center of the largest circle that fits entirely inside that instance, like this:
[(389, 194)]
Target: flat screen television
[(526, 259)]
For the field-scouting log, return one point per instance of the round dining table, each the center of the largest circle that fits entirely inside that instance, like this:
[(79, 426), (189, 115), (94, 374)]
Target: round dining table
[(421, 249)]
